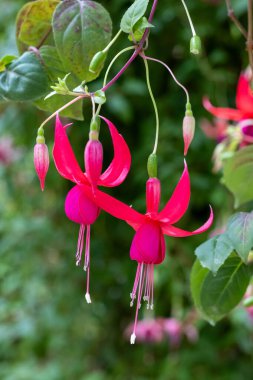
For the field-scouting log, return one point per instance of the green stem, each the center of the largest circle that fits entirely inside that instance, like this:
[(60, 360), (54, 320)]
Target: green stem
[(112, 41), (63, 108), (109, 68), (154, 104), (189, 18)]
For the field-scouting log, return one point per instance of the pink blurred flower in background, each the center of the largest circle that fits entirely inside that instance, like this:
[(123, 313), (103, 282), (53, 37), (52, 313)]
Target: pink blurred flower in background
[(8, 152)]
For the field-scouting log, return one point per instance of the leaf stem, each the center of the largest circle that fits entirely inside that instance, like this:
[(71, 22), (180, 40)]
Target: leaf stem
[(154, 104), (112, 41)]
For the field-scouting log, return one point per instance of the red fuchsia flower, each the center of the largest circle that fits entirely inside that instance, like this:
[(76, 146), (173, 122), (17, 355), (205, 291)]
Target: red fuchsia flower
[(243, 114), (41, 159), (80, 208), (148, 245)]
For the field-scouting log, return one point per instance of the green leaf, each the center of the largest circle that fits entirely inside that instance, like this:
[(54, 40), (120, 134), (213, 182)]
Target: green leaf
[(24, 79), (214, 252), (238, 175), (33, 25), (216, 296), (240, 232), (52, 63), (75, 111), (5, 61), (139, 29), (133, 15), (81, 29)]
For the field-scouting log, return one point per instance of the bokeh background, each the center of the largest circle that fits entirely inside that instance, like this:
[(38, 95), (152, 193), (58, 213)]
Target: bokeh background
[(47, 331)]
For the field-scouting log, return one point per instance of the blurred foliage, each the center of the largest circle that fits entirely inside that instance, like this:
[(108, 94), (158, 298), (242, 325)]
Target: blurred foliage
[(47, 331)]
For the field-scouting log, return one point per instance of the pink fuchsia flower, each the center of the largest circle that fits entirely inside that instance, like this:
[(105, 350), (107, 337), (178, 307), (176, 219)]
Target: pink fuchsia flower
[(8, 152), (244, 102), (148, 245), (148, 330), (41, 159), (80, 208)]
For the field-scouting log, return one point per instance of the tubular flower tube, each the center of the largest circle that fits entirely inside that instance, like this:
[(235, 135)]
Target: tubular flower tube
[(41, 160), (148, 245), (79, 207), (244, 103)]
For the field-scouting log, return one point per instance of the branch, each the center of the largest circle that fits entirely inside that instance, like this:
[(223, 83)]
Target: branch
[(235, 20)]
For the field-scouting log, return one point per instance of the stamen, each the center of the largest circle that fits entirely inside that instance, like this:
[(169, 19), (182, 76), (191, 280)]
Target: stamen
[(87, 249), (136, 281), (132, 339), (80, 245), (133, 336)]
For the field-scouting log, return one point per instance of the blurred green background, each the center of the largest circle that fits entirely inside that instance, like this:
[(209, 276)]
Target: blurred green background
[(47, 331)]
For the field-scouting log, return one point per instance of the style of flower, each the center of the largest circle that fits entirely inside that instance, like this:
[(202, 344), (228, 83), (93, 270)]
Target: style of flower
[(148, 245), (78, 207)]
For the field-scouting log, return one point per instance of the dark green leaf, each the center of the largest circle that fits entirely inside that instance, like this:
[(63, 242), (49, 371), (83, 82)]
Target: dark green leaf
[(81, 29), (240, 232), (133, 15), (52, 63), (215, 296), (33, 25), (24, 79), (214, 252), (238, 175)]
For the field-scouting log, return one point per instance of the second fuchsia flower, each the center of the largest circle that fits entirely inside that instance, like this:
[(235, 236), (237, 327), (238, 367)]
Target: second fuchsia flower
[(79, 208), (148, 245)]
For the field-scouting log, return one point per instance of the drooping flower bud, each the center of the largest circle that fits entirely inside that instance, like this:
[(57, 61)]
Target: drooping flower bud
[(188, 128), (93, 158), (97, 62), (41, 158), (195, 45)]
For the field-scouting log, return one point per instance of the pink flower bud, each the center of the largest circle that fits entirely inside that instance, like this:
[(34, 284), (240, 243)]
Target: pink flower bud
[(41, 162), (188, 132), (93, 158)]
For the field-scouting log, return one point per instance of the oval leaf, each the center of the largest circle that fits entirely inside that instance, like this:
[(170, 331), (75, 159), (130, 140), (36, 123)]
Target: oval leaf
[(238, 175), (240, 232), (214, 252), (133, 15), (33, 25), (81, 29), (24, 79), (216, 296)]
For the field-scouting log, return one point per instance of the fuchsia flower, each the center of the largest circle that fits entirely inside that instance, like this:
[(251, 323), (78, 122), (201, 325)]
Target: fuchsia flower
[(244, 103), (41, 160), (79, 208), (148, 245)]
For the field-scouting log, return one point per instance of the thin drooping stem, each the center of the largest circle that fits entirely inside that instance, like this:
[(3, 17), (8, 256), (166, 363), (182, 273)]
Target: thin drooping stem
[(63, 108), (137, 50), (154, 104), (189, 18), (109, 68), (113, 40), (250, 35), (234, 19), (171, 73)]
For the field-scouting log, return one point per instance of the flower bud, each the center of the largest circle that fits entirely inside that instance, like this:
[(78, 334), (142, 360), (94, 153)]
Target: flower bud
[(195, 45), (152, 165), (41, 159), (93, 158), (97, 62), (188, 131)]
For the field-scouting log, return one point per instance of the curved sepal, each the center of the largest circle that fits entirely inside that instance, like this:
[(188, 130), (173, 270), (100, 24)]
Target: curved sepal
[(113, 206), (179, 201), (223, 113), (244, 96), (178, 232), (120, 165), (64, 157)]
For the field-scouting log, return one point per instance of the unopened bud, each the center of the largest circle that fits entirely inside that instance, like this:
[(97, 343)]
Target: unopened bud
[(93, 158), (41, 159), (195, 45), (152, 166), (97, 62), (188, 131)]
